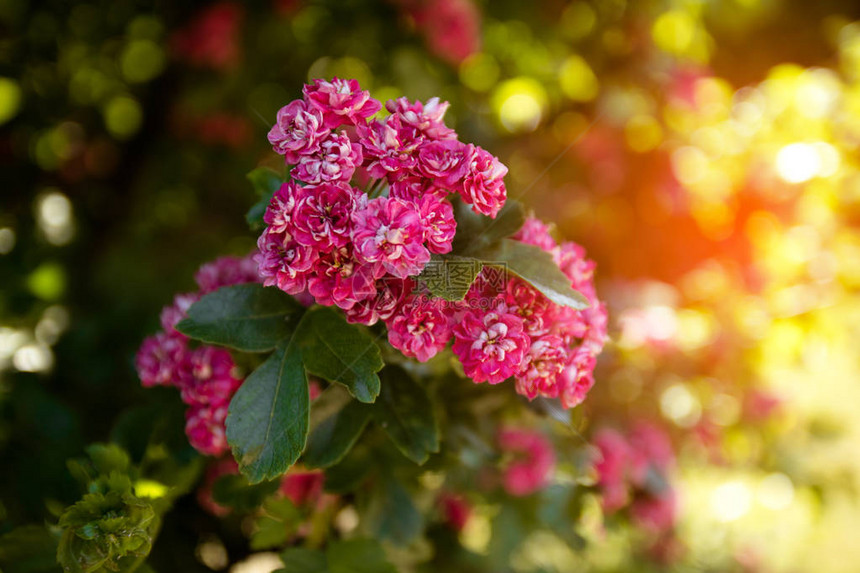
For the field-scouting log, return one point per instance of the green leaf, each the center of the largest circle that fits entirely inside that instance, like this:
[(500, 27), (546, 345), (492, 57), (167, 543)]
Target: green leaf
[(28, 549), (450, 276), (247, 317), (536, 267), (301, 560), (340, 352), (332, 439), (475, 232), (235, 491), (268, 419), (405, 412), (392, 513), (350, 473), (358, 556), (265, 182)]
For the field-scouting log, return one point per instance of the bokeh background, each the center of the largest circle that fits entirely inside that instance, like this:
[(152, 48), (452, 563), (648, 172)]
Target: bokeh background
[(705, 152)]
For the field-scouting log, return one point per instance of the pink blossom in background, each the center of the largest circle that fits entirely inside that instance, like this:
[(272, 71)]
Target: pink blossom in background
[(204, 427), (206, 376), (171, 315), (212, 38), (302, 487), (160, 358), (217, 469), (213, 377), (633, 472), (533, 463), (452, 28), (456, 510), (226, 271)]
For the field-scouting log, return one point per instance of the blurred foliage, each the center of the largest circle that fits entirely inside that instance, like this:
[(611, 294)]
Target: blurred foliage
[(715, 185)]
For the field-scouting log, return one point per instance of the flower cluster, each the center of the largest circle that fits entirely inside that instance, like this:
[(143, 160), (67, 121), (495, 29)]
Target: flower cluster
[(344, 245), (360, 249), (633, 473), (550, 350), (206, 376)]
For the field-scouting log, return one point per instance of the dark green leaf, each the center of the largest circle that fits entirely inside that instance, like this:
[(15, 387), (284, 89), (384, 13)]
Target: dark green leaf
[(358, 556), (28, 549), (247, 317), (301, 560), (536, 267), (475, 232), (340, 352), (267, 424), (265, 182), (392, 513), (405, 412), (450, 276), (330, 441), (235, 491), (347, 475)]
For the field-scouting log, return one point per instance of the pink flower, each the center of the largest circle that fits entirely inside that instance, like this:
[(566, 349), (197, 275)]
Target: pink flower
[(437, 217), (534, 308), (389, 148), (452, 28), (491, 344), (484, 183), (298, 131), (419, 328), (612, 468), (390, 294), (339, 278), (535, 232), (162, 360), (656, 513), (577, 378), (334, 161), (414, 188), (279, 213), (204, 427), (302, 487), (445, 161), (212, 38), (427, 118), (284, 263), (226, 271), (651, 449), (389, 231), (212, 379), (341, 101), (321, 218), (215, 470), (533, 465), (456, 510), (543, 364), (171, 315)]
